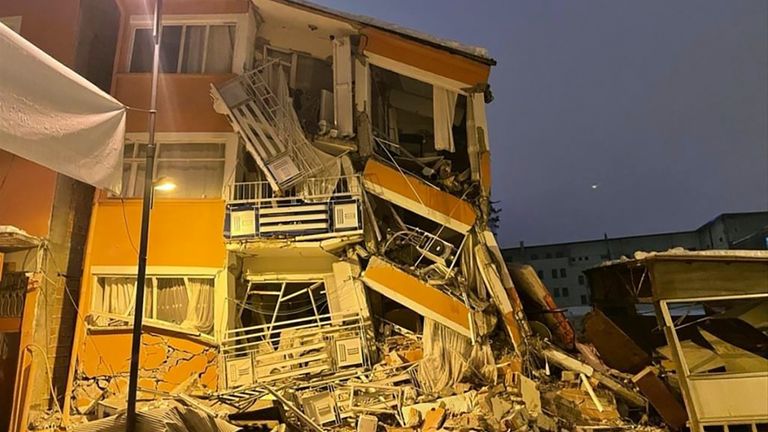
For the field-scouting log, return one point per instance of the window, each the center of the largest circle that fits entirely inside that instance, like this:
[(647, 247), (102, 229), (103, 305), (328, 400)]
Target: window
[(186, 48), (562, 273), (565, 291), (179, 300), (534, 257), (197, 169), (280, 301), (581, 279), (558, 255), (583, 299), (554, 273), (548, 255), (556, 292), (540, 274)]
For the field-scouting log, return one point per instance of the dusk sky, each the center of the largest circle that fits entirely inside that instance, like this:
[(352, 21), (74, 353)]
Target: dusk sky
[(661, 103)]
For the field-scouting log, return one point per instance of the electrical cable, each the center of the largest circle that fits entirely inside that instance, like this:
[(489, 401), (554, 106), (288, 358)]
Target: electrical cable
[(127, 230)]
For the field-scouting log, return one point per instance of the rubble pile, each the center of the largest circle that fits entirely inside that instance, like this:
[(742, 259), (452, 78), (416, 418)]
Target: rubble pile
[(426, 330)]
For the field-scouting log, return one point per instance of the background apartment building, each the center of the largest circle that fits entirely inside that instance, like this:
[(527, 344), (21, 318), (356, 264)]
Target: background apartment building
[(561, 266)]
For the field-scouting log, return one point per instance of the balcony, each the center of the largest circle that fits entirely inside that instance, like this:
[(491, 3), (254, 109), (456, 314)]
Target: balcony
[(319, 208)]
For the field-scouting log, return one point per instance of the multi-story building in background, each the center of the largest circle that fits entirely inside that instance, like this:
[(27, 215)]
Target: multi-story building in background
[(561, 266)]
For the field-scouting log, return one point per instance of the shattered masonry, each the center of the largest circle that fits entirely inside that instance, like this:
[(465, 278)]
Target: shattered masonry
[(351, 280)]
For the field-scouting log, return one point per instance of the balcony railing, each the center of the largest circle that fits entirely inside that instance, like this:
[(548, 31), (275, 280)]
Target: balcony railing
[(328, 206), (291, 350), (262, 194)]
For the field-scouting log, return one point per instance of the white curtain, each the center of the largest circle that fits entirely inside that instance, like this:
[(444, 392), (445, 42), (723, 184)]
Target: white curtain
[(199, 313), (172, 300), (450, 356), (221, 47), (187, 302), (444, 110), (194, 46), (116, 297)]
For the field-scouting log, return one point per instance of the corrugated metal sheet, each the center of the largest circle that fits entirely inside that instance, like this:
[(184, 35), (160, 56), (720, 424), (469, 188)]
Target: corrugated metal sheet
[(170, 419)]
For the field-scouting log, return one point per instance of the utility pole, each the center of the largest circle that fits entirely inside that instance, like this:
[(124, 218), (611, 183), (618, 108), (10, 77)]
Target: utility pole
[(149, 174)]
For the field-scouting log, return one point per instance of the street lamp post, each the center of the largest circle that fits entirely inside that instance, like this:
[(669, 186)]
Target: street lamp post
[(138, 311)]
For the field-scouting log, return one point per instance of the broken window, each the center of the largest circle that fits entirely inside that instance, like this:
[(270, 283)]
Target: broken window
[(186, 48), (286, 332), (274, 302), (423, 126), (197, 169), (183, 301)]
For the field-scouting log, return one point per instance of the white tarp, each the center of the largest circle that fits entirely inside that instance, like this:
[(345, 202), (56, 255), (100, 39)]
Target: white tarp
[(56, 118)]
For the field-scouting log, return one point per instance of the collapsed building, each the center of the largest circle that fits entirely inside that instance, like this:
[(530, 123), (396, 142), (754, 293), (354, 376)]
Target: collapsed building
[(327, 260)]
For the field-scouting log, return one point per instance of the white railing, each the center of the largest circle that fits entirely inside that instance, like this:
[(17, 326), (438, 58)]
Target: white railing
[(259, 109), (289, 350), (312, 190)]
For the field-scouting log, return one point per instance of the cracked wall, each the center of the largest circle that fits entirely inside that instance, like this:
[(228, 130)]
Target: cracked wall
[(169, 364)]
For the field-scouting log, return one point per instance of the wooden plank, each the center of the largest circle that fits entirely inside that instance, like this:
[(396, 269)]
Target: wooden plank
[(662, 399), (617, 349)]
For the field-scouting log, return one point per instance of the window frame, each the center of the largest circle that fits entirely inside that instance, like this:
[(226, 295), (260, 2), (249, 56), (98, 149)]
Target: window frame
[(212, 273), (229, 140), (239, 21)]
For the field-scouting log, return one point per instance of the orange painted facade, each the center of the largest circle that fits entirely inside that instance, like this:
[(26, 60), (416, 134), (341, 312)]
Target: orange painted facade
[(186, 233), (183, 233), (26, 194), (424, 57), (183, 102), (51, 26)]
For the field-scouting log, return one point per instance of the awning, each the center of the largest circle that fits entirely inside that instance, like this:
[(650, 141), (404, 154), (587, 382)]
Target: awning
[(54, 117)]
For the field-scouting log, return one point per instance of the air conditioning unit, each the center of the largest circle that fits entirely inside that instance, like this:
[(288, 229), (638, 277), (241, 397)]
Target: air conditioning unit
[(239, 372), (283, 169), (367, 423), (345, 216), (349, 352), (435, 249), (242, 223), (320, 407)]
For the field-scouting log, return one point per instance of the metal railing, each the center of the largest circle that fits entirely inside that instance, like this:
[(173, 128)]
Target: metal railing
[(270, 126), (287, 350), (311, 190)]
